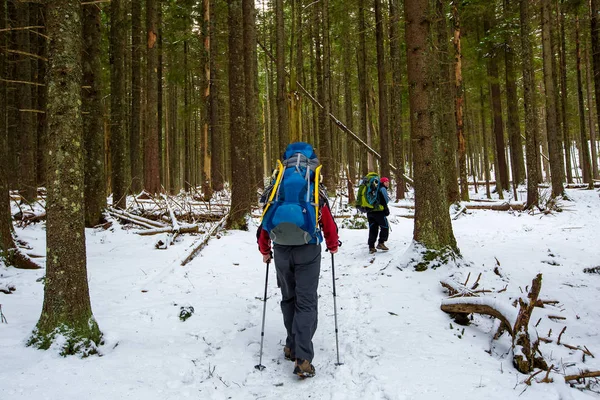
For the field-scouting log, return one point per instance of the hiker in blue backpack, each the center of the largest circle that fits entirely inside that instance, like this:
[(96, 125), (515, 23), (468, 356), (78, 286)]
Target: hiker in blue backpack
[(295, 218), (378, 223)]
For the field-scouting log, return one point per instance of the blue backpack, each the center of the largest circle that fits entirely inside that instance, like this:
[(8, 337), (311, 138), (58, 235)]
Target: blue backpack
[(291, 213)]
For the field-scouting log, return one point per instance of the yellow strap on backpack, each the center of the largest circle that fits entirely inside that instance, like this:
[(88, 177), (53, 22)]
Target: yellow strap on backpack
[(275, 187), (317, 176)]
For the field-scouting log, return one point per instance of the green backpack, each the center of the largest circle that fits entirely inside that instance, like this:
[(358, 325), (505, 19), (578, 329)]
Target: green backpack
[(367, 198)]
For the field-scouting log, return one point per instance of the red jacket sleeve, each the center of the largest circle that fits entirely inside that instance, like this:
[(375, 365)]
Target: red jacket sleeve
[(330, 230), (264, 242)]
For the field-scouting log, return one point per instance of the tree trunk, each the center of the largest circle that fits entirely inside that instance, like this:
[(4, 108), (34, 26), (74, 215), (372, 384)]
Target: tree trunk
[(585, 150), (348, 111), (237, 125), (27, 129), (396, 130), (530, 104), (595, 29), (591, 120), (384, 147), (363, 84), (282, 117), (433, 228), (173, 140), (159, 103), (556, 158), (93, 124), (137, 165), (67, 309), (512, 123), (447, 122), (326, 146), (40, 75), (251, 95), (119, 145), (216, 134), (151, 140), (484, 140), (566, 137), (501, 171), (459, 106), (187, 134)]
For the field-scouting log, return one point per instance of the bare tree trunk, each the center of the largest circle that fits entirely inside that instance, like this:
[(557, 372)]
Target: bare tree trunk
[(501, 172), (586, 167), (282, 117), (363, 84), (67, 309), (459, 110), (326, 148), (237, 124), (556, 158), (216, 134), (530, 104), (512, 121), (119, 144), (137, 164), (151, 140), (595, 29), (591, 120), (384, 147), (348, 115), (93, 124), (566, 138), (433, 228), (484, 141), (251, 95), (396, 130), (27, 129)]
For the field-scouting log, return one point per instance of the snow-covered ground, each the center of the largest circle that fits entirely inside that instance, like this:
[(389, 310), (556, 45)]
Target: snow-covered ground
[(394, 341)]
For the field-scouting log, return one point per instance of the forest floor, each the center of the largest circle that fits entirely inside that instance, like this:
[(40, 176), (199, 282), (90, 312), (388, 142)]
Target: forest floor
[(394, 341)]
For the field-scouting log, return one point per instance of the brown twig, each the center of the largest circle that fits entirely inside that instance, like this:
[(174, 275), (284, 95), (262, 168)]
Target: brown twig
[(561, 333), (584, 374)]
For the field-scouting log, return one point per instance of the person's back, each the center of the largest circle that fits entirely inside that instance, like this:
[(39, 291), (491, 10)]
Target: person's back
[(378, 223), (295, 229)]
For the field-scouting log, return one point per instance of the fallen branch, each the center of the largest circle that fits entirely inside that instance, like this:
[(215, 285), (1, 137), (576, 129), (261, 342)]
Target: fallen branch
[(155, 231), (585, 374), (204, 240), (481, 305), (135, 219)]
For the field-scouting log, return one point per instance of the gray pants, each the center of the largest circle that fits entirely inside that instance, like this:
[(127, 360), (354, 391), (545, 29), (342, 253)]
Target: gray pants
[(298, 269)]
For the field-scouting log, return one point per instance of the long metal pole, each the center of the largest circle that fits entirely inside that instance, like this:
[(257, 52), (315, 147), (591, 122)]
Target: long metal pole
[(260, 367)]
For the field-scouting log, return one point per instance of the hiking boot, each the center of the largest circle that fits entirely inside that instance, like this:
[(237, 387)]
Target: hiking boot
[(382, 246), (287, 353), (372, 250), (304, 369)]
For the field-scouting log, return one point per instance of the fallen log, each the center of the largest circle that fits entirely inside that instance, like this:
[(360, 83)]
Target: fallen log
[(135, 219), (585, 374), (480, 305), (188, 228), (204, 240)]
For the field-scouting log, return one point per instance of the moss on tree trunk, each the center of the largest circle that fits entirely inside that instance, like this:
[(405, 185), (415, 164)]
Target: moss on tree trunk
[(66, 318)]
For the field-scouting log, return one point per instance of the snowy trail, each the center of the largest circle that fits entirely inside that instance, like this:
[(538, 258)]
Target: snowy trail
[(395, 343)]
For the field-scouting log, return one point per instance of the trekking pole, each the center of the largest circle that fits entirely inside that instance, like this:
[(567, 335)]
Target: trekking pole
[(337, 346), (260, 367)]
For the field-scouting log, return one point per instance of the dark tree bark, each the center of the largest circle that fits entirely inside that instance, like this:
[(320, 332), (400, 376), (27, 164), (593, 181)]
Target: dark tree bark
[(67, 309), (282, 116), (27, 127), (459, 106), (6, 240), (136, 143), (251, 94), (447, 122), (566, 137), (159, 92), (188, 164), (39, 76), (512, 122), (93, 124), (216, 133), (152, 154), (119, 143), (586, 167), (484, 141), (206, 95), (363, 85), (556, 155), (595, 29), (433, 228), (325, 145), (396, 129), (173, 140), (591, 121), (530, 104), (502, 172), (384, 147), (237, 124), (348, 112)]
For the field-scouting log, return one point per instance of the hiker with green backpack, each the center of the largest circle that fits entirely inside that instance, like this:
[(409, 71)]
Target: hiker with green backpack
[(373, 199)]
